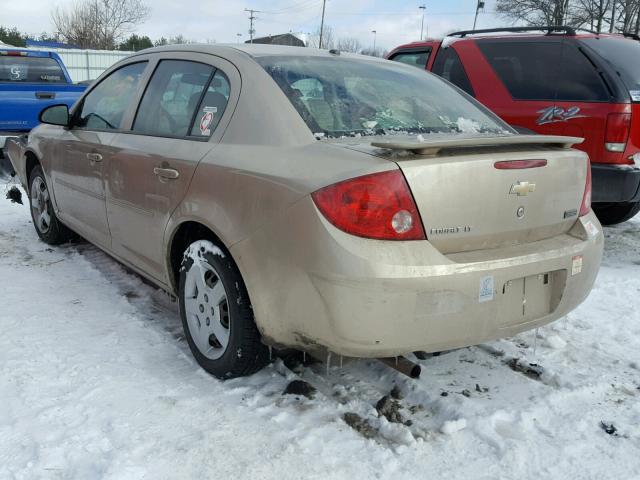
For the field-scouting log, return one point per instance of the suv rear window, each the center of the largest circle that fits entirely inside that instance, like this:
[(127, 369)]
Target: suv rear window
[(347, 97), (30, 70), (547, 70), (624, 55)]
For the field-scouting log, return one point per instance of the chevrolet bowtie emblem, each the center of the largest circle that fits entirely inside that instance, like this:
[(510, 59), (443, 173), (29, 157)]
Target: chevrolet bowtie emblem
[(522, 188)]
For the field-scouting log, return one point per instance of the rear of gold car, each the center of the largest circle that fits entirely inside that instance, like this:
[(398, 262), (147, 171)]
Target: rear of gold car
[(508, 243)]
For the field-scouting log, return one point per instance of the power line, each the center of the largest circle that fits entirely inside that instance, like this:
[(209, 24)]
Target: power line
[(294, 7)]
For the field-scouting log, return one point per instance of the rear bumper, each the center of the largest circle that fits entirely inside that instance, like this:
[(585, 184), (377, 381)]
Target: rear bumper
[(615, 183), (363, 298)]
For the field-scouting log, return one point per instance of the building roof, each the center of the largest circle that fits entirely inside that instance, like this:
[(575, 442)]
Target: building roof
[(281, 39)]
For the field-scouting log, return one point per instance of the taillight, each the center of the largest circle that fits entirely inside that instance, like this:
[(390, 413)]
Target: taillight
[(586, 198), (376, 206), (618, 128)]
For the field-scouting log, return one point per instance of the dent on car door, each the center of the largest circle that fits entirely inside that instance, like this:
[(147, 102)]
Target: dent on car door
[(84, 153), (151, 171)]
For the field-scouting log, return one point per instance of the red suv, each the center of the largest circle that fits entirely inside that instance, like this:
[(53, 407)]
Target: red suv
[(557, 81)]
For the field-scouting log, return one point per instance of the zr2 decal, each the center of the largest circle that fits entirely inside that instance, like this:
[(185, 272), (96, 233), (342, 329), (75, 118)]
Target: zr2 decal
[(557, 114)]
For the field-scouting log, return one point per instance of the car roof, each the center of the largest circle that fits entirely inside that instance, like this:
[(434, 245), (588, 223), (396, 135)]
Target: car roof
[(506, 36), (253, 50)]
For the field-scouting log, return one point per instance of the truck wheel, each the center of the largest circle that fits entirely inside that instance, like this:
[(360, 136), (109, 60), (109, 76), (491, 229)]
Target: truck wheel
[(216, 314), (48, 227), (616, 213)]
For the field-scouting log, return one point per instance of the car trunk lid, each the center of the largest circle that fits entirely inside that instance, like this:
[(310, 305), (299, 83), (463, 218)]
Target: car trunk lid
[(477, 193)]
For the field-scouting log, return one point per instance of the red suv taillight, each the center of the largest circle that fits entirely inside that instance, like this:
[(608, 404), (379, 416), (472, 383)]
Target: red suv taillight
[(585, 207), (378, 206), (618, 128)]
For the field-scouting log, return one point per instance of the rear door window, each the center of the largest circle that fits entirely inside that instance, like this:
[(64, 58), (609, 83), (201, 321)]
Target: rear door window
[(171, 98), (22, 69), (448, 65), (415, 58), (544, 70), (212, 106), (104, 107), (529, 70)]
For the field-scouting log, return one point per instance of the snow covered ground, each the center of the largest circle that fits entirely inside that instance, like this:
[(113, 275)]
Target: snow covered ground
[(96, 381)]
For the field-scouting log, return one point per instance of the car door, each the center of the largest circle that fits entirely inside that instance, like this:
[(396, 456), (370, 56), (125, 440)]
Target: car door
[(83, 153), (174, 127)]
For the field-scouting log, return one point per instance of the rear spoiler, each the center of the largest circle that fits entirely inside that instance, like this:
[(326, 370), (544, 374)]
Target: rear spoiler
[(432, 146)]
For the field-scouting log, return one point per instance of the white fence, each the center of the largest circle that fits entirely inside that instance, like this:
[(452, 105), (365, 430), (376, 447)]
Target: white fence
[(86, 64)]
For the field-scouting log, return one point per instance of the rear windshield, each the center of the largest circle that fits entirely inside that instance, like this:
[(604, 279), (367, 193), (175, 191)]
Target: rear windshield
[(339, 97), (30, 70), (624, 55)]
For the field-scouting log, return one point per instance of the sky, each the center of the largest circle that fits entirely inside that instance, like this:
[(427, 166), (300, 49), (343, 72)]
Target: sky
[(395, 22)]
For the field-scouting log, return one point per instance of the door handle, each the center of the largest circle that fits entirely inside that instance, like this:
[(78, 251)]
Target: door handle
[(168, 173), (45, 95), (94, 157)]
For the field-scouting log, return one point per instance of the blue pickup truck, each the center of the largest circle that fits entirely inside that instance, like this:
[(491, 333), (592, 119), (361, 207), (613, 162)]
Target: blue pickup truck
[(30, 81)]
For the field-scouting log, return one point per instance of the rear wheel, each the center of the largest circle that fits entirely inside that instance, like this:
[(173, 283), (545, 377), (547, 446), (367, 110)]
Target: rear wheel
[(48, 227), (216, 314), (611, 214)]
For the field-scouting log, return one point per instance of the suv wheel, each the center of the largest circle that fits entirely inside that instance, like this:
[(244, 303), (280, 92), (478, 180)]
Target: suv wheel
[(216, 313), (616, 213), (48, 227)]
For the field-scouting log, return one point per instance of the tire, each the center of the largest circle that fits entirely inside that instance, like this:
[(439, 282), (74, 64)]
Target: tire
[(612, 214), (216, 314), (44, 218)]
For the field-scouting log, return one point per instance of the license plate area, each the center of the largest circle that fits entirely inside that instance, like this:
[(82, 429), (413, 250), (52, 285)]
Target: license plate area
[(528, 298)]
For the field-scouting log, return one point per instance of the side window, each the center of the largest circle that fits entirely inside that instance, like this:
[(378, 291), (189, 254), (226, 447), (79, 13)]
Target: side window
[(529, 70), (449, 66), (104, 107), (579, 80), (416, 58), (171, 98), (212, 106)]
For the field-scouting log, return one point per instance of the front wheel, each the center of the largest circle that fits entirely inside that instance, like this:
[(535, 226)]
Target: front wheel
[(48, 227), (612, 214), (216, 314)]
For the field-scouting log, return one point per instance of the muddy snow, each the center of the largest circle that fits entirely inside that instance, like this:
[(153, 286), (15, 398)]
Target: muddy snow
[(97, 382)]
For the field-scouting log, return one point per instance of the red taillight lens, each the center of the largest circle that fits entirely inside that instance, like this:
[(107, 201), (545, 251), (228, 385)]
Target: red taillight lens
[(586, 198), (376, 206), (618, 128)]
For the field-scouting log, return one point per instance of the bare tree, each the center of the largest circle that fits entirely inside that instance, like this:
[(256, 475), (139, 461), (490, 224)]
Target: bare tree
[(349, 44), (99, 24), (591, 14), (328, 38), (535, 12)]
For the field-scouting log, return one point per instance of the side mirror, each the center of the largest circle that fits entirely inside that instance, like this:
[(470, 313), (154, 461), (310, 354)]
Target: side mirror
[(55, 115)]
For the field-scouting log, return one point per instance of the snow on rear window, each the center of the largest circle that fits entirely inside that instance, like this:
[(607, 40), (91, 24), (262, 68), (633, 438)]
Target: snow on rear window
[(346, 97)]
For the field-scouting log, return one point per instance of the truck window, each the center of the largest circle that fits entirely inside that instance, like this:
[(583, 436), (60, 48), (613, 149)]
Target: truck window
[(30, 70), (544, 70), (415, 58), (104, 107), (449, 66)]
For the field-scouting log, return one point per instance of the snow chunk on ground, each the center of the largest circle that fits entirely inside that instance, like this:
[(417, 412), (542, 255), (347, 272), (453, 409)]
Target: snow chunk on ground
[(452, 426)]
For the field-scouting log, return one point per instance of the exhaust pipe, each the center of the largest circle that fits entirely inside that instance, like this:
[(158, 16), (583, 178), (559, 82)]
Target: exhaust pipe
[(403, 365)]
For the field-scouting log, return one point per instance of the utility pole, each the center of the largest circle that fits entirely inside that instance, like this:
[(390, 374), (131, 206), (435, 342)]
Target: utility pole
[(422, 7), (479, 7), (252, 17), (324, 4)]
